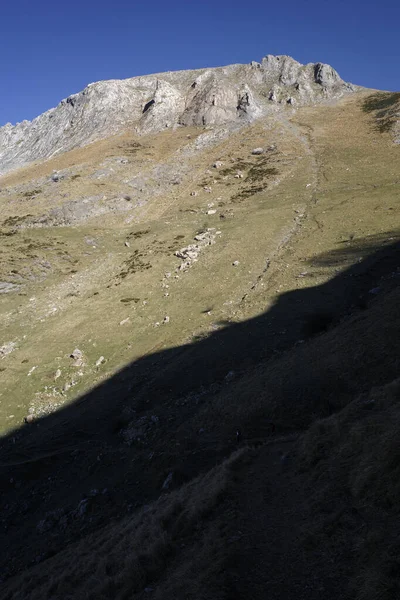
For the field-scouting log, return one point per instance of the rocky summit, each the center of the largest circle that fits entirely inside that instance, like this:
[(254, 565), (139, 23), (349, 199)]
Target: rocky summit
[(154, 102), (200, 340)]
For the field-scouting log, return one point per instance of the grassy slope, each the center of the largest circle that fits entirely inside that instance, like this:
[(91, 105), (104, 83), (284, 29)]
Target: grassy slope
[(297, 275)]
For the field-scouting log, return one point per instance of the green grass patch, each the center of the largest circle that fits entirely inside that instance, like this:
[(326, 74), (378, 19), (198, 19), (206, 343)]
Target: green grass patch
[(12, 221), (259, 172)]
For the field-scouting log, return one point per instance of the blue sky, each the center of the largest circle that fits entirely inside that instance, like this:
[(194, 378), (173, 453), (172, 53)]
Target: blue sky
[(51, 49)]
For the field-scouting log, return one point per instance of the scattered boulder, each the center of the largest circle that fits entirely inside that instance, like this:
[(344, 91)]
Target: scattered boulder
[(7, 349), (235, 263), (168, 481), (218, 164), (77, 355), (257, 151), (100, 361)]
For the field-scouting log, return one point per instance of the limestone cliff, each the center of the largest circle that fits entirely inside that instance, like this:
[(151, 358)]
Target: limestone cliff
[(206, 97)]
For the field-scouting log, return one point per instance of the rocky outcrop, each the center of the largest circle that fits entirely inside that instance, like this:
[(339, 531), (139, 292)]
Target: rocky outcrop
[(206, 97)]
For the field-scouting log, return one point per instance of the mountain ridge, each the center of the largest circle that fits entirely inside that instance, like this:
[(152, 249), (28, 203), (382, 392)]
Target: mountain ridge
[(150, 103)]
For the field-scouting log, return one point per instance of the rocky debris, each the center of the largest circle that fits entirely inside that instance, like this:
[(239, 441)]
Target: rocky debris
[(7, 287), (190, 253), (239, 175), (139, 430), (54, 518), (257, 151), (207, 189), (77, 356), (205, 97), (7, 348)]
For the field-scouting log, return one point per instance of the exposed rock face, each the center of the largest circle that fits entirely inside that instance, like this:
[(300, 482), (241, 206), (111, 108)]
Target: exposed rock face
[(206, 97)]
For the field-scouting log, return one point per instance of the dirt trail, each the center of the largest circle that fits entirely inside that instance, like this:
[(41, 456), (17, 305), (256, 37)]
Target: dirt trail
[(303, 134)]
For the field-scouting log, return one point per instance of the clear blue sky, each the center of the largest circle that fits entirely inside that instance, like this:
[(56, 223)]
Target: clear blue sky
[(52, 48)]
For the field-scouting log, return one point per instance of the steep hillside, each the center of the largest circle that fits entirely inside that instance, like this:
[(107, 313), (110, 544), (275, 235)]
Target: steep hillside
[(200, 351)]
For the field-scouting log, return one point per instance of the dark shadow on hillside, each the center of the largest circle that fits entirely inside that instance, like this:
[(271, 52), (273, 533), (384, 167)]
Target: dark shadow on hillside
[(100, 458)]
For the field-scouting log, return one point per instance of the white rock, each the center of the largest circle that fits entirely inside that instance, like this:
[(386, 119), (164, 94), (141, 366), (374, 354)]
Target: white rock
[(257, 151), (7, 348), (168, 481), (100, 361)]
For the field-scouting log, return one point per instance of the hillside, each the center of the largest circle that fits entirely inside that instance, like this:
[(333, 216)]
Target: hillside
[(200, 350)]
